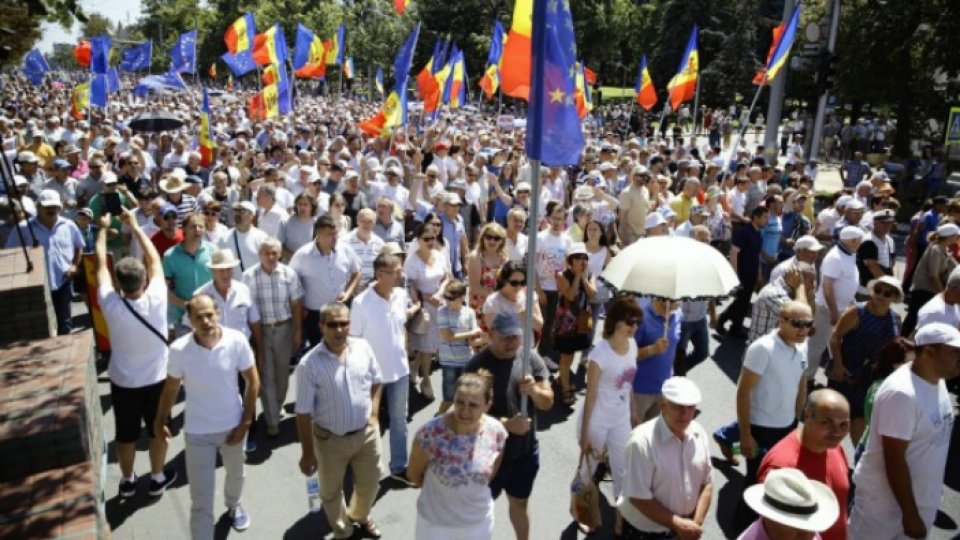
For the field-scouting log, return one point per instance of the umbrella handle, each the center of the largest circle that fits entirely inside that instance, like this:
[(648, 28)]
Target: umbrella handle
[(666, 319)]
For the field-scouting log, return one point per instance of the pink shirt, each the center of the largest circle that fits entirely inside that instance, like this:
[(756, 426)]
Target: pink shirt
[(757, 532)]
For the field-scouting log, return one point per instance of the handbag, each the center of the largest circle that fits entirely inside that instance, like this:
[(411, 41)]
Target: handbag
[(584, 495), (420, 323), (145, 323)]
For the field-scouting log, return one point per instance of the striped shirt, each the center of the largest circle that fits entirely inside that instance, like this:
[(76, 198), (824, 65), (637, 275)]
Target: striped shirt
[(367, 252), (274, 292), (336, 391), (187, 205)]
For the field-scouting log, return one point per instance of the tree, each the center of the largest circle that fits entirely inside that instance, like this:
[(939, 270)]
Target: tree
[(96, 25), (20, 24)]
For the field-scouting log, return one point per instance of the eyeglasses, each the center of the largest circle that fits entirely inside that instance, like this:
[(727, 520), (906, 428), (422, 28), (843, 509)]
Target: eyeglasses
[(886, 292), (451, 298), (428, 238), (211, 212), (800, 325), (517, 282), (337, 325)]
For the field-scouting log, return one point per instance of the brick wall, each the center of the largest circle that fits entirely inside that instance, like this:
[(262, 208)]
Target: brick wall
[(25, 308), (51, 440)]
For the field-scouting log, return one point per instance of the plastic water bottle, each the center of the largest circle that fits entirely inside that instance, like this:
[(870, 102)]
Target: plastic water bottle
[(313, 493)]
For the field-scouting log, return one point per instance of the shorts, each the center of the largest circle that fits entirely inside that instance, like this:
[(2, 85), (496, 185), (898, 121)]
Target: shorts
[(450, 376), (516, 476), (132, 407), (856, 396)]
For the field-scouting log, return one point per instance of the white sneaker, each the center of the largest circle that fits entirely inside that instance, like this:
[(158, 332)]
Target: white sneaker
[(240, 518)]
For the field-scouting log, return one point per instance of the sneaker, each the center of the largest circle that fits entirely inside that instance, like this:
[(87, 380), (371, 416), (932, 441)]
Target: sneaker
[(128, 488), (240, 518), (157, 488), (251, 445), (401, 476)]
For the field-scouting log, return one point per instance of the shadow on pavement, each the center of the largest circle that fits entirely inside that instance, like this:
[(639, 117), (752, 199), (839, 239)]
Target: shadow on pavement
[(118, 509), (311, 526), (728, 497), (728, 356)]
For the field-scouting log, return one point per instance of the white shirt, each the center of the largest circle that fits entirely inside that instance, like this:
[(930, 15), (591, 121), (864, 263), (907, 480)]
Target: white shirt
[(936, 310), (662, 467), (237, 310), (780, 367), (249, 244), (616, 381), (149, 228), (911, 409), (324, 277), (382, 323), (842, 268), (517, 250), (138, 357), (551, 257), (209, 376), (271, 220)]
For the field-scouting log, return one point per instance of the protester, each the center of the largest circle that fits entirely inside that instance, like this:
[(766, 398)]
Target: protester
[(245, 239), (573, 320), (657, 338), (790, 506), (456, 501), (932, 271), (337, 423), (297, 229), (483, 265)]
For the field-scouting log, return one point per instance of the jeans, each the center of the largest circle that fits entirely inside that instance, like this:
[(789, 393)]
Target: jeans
[(396, 395), (311, 329), (201, 453), (698, 333), (61, 298)]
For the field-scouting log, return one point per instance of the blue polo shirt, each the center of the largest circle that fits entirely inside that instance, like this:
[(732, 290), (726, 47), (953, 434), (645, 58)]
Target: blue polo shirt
[(59, 245), (453, 231), (652, 372), (188, 272)]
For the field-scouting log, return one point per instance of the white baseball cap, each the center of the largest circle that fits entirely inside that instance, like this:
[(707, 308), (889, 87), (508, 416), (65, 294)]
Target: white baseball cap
[(808, 242), (654, 219), (852, 232), (682, 391), (937, 334), (49, 197)]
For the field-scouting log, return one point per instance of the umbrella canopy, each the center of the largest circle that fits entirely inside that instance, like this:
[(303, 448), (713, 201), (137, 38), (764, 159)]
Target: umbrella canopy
[(672, 268), (155, 121)]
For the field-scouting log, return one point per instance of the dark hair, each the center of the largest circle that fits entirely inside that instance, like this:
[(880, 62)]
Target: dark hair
[(508, 269), (889, 356), (552, 206), (620, 309), (310, 198), (759, 211), (324, 222), (456, 288), (384, 261), (604, 241), (481, 381), (431, 216)]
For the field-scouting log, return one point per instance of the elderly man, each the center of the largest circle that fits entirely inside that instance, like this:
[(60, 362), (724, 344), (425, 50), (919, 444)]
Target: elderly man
[(338, 400), (815, 449), (771, 389), (173, 187), (365, 244), (62, 247), (207, 363), (277, 293), (839, 281), (791, 506), (521, 455), (386, 226), (30, 169), (634, 205), (877, 254), (329, 271), (682, 204), (806, 249), (270, 215), (245, 239), (89, 185), (745, 258), (945, 306), (185, 266), (138, 359), (899, 479), (794, 224), (61, 182), (698, 215), (379, 315), (667, 487)]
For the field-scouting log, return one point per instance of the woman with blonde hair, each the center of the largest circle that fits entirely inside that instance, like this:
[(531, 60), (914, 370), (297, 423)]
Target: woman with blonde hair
[(483, 265)]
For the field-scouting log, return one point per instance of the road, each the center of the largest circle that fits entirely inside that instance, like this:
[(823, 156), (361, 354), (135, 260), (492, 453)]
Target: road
[(274, 493)]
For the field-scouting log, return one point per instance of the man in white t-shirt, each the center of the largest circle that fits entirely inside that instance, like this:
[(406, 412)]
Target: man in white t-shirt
[(900, 476), (945, 306), (137, 319), (839, 281), (244, 240), (771, 391), (271, 214), (207, 362)]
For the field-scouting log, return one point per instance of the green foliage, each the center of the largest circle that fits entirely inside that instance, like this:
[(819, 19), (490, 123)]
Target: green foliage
[(96, 25), (20, 24)]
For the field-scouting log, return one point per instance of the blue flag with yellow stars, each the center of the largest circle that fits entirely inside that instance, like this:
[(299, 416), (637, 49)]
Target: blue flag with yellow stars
[(554, 135), (183, 55)]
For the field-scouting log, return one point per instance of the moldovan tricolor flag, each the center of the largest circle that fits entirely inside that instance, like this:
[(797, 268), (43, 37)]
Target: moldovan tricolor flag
[(239, 35), (270, 47), (779, 50), (308, 55), (683, 85), (428, 88), (336, 46), (515, 60), (491, 77), (401, 5), (646, 93), (348, 68), (80, 100), (207, 146)]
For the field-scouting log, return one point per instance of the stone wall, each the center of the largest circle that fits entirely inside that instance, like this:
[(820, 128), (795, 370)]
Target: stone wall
[(25, 308)]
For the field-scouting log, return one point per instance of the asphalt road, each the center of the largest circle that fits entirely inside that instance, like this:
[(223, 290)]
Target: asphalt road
[(275, 494)]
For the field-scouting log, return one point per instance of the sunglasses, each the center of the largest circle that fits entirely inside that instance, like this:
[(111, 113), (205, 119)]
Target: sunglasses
[(428, 239), (431, 176), (517, 282), (497, 238), (631, 321), (800, 325), (170, 216), (523, 193), (211, 212), (451, 298), (340, 325), (886, 292)]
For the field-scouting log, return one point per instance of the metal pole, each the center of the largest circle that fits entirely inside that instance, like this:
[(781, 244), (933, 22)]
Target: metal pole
[(696, 107), (822, 105), (10, 186), (531, 297), (775, 107), (743, 128)]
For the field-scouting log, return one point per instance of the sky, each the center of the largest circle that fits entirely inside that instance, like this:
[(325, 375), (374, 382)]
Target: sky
[(123, 10)]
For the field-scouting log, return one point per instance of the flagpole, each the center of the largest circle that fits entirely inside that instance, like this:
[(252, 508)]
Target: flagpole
[(743, 128), (696, 108), (530, 297)]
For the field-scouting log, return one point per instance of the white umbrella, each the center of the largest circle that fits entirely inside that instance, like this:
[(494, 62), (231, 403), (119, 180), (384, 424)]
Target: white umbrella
[(671, 268)]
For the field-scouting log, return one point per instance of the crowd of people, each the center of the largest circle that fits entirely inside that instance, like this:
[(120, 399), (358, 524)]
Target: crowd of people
[(368, 263)]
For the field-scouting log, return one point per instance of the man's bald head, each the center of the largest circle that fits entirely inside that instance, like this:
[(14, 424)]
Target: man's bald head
[(795, 309), (824, 399), (826, 420)]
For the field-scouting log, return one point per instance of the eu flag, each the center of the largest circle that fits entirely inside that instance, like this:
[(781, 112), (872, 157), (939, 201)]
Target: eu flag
[(183, 55), (241, 63), (401, 64), (168, 81), (137, 57), (35, 67), (113, 81), (98, 91), (100, 54), (554, 135)]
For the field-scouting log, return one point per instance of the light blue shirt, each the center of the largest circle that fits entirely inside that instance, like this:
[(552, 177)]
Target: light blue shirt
[(453, 231), (59, 246), (771, 233)]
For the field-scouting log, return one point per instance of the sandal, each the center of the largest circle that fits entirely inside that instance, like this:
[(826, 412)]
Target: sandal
[(368, 529), (569, 398)]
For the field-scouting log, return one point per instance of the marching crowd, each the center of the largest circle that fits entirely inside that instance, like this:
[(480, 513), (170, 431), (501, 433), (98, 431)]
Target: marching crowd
[(370, 262)]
